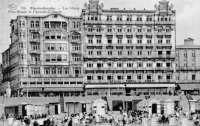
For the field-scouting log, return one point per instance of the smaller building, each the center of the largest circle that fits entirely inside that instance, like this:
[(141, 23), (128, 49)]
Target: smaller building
[(188, 66)]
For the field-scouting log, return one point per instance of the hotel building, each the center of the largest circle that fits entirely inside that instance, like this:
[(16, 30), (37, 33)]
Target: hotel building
[(129, 52), (188, 66), (45, 56)]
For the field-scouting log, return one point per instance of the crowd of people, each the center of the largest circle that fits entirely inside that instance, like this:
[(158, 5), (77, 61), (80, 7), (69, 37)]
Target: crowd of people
[(137, 118)]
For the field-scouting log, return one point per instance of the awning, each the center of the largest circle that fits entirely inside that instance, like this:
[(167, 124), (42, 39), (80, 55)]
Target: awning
[(131, 86), (190, 86), (52, 89)]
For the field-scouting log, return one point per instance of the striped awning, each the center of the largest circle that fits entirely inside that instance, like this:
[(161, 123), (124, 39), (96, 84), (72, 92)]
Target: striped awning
[(52, 89), (190, 86), (131, 86)]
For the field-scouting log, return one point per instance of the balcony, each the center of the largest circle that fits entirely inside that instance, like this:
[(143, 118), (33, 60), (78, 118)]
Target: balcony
[(149, 22), (77, 51), (160, 34), (119, 22), (165, 22), (139, 34), (34, 29), (109, 33), (139, 22), (149, 45), (129, 22), (149, 34), (93, 22), (90, 33), (37, 40), (129, 33), (119, 33), (168, 34), (35, 51)]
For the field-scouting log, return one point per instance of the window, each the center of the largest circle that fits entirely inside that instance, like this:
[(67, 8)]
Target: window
[(185, 53), (109, 52), (64, 57), (109, 29), (119, 18), (168, 52), (53, 57), (149, 53), (119, 53), (98, 40), (46, 70), (90, 52), (53, 46), (99, 65), (66, 70), (168, 64), (149, 41), (129, 41), (139, 64), (130, 52), (139, 41), (149, 64), (59, 57), (119, 29), (193, 54), (47, 58), (119, 64), (119, 41), (109, 41), (90, 29), (139, 53), (158, 64), (159, 52), (37, 24), (89, 77), (46, 24), (168, 41), (76, 58), (120, 77), (193, 77), (98, 52), (64, 25), (128, 77), (23, 23), (74, 24), (98, 29), (90, 41), (139, 18), (129, 18), (100, 77), (78, 24), (109, 18), (160, 41), (148, 30), (53, 70), (32, 24)]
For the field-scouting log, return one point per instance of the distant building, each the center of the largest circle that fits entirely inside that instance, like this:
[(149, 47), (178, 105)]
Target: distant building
[(129, 52), (1, 77), (188, 66), (45, 56)]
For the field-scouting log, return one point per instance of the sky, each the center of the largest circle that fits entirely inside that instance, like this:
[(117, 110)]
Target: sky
[(187, 14)]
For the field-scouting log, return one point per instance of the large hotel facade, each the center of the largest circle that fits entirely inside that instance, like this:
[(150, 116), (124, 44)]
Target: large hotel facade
[(102, 52), (45, 56), (129, 52)]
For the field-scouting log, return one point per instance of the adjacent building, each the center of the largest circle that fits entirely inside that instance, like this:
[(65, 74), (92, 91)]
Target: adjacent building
[(45, 56), (188, 66), (129, 52)]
